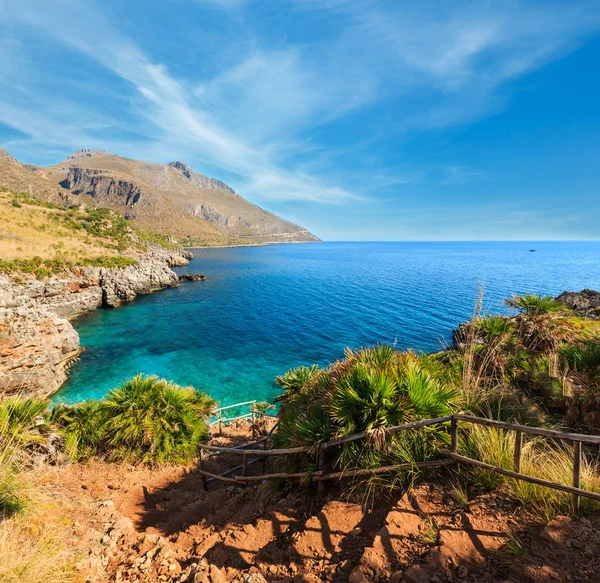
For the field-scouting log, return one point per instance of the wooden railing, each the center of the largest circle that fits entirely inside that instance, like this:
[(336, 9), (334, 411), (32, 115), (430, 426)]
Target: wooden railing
[(451, 456), (576, 438)]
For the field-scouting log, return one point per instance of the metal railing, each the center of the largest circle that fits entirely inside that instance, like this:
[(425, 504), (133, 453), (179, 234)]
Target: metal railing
[(253, 413)]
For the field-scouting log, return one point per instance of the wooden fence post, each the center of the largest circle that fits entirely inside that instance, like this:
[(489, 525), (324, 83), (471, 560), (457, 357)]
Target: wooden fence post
[(517, 455), (220, 426), (253, 420), (202, 476), (321, 467), (454, 434), (576, 473)]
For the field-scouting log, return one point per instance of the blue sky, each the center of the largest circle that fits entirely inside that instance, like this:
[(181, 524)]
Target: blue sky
[(389, 120)]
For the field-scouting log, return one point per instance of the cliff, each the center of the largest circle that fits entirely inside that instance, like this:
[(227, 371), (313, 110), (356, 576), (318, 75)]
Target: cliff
[(37, 341)]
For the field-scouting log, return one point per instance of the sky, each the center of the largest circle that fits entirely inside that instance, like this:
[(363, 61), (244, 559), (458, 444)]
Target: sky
[(360, 120)]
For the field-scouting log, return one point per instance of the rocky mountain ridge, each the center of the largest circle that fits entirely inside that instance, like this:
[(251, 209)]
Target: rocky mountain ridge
[(172, 198)]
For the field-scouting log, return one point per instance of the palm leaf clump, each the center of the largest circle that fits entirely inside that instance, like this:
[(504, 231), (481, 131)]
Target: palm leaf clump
[(155, 421), (369, 391), (535, 305), (145, 419), (83, 428), (22, 418)]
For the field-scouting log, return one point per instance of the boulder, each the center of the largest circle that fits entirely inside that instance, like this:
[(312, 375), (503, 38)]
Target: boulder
[(585, 303)]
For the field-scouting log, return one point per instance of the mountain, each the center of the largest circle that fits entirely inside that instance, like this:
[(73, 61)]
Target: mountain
[(170, 198)]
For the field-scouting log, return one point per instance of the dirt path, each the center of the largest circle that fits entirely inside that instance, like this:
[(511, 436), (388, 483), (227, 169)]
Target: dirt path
[(158, 525)]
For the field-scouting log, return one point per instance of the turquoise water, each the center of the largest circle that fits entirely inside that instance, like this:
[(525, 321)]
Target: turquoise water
[(265, 309)]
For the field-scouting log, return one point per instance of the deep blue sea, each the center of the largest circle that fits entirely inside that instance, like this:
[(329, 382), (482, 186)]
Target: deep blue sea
[(266, 309)]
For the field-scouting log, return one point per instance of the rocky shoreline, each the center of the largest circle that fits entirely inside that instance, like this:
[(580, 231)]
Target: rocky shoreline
[(38, 343)]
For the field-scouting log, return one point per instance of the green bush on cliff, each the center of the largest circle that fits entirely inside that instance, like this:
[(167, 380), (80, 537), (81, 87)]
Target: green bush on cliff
[(535, 305), (118, 261)]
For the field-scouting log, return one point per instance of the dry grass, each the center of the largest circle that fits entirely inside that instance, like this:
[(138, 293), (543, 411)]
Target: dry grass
[(35, 529), (540, 458), (28, 231), (36, 543), (554, 463)]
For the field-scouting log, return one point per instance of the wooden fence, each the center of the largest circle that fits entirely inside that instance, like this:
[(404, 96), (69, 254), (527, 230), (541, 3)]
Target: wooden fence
[(451, 456)]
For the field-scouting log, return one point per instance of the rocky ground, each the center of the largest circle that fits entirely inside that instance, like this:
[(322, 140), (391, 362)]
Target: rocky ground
[(158, 525), (37, 341)]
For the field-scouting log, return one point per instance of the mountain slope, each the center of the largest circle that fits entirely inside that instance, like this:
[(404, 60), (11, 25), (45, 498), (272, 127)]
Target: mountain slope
[(19, 177), (172, 198)]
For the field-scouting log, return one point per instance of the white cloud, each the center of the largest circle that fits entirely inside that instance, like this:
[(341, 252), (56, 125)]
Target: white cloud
[(439, 65), (167, 105)]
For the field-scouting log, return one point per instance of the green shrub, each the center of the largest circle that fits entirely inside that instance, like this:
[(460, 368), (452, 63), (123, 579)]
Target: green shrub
[(20, 422), (82, 426), (580, 356), (145, 419), (118, 261), (535, 305), (19, 417), (493, 326), (369, 391), (155, 421)]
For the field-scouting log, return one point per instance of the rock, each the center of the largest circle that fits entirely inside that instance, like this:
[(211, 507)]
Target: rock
[(425, 572), (123, 525), (254, 578), (457, 546), (558, 531), (584, 303), (191, 277), (37, 342), (201, 577), (216, 575), (307, 578)]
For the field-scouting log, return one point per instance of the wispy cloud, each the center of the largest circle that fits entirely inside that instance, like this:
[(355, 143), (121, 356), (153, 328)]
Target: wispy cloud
[(167, 105), (257, 119)]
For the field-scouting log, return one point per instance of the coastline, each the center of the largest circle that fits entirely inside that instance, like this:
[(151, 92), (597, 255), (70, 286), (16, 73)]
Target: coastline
[(38, 343), (267, 244)]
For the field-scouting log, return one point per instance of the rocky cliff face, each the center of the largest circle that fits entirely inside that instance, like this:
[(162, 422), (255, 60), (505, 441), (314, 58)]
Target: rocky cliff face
[(584, 303), (37, 341), (199, 180), (99, 184)]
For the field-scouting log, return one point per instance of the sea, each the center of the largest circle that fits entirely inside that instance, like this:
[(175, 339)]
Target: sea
[(263, 310)]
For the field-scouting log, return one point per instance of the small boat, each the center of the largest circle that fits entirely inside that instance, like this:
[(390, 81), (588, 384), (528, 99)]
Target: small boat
[(532, 251)]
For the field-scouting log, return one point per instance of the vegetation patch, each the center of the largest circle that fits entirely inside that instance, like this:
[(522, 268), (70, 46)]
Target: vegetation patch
[(40, 238), (540, 367), (145, 419)]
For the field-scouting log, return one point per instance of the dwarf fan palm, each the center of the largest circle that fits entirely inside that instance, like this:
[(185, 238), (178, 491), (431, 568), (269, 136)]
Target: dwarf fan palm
[(83, 428), (154, 420), (19, 416), (535, 305), (366, 400)]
